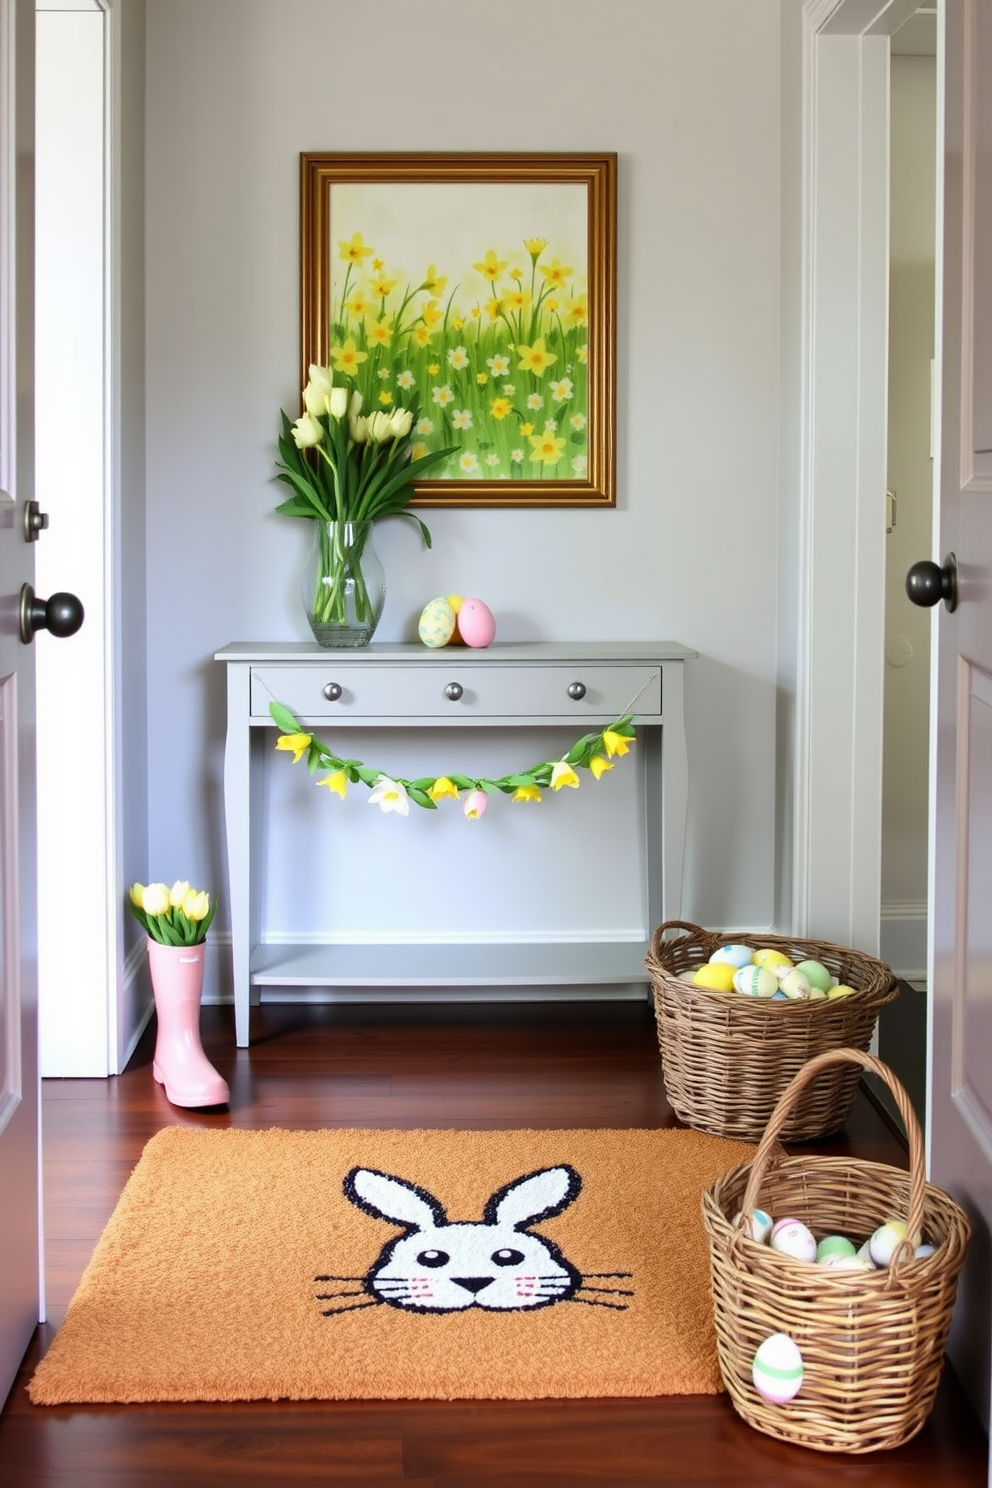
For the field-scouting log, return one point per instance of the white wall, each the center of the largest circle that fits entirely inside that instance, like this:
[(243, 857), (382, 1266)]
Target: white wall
[(689, 97), (910, 473)]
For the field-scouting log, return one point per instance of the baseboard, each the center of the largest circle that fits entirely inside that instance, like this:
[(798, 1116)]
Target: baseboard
[(903, 938)]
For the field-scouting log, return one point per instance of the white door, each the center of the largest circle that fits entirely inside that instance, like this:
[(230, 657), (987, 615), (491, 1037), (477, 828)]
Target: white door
[(19, 1091), (960, 1136)]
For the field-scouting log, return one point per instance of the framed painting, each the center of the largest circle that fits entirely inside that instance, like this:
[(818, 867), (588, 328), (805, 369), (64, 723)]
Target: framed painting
[(480, 291)]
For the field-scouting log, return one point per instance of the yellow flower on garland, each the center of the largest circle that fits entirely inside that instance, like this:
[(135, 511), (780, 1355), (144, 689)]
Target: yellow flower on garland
[(615, 744), (526, 793), (337, 782), (296, 744), (599, 765), (443, 787), (563, 774)]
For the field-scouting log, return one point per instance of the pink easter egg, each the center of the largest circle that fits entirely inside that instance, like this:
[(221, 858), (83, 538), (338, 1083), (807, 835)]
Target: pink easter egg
[(476, 623)]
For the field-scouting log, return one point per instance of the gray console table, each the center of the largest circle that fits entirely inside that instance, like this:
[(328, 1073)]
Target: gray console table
[(402, 686)]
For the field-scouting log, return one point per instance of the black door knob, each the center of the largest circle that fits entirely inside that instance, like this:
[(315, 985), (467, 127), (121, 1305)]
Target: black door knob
[(928, 583), (61, 615)]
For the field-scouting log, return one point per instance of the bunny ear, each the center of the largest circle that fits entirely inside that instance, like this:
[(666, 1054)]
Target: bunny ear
[(537, 1196), (386, 1197)]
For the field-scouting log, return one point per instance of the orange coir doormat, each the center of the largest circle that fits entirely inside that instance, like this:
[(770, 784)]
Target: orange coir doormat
[(336, 1265)]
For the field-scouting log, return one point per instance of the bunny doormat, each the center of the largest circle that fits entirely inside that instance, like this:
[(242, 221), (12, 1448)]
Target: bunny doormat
[(337, 1265)]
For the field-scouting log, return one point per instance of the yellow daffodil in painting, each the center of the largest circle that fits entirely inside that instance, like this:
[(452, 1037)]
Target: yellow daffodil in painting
[(615, 744), (383, 287), (536, 358), (347, 358), (562, 774), (380, 332), (355, 251), (337, 782), (422, 336), (577, 312), (500, 408), (434, 282), (546, 448), (491, 266), (556, 273), (526, 793), (296, 744), (442, 788), (599, 765), (431, 314), (535, 246), (475, 804), (390, 795)]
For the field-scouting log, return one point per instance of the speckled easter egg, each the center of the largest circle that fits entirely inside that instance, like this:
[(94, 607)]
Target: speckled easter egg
[(437, 623), (476, 623)]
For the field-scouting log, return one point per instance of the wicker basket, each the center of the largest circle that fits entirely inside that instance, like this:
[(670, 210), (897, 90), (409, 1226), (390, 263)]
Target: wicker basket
[(727, 1058), (872, 1342)]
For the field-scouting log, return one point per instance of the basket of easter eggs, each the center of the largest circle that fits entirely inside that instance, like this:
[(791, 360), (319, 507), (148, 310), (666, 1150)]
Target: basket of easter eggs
[(739, 1015), (833, 1284)]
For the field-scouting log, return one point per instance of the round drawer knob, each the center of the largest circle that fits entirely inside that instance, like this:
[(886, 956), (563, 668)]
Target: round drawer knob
[(453, 691), (333, 691), (576, 691)]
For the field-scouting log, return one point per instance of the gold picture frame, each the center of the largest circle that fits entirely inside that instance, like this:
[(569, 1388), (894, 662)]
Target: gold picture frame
[(482, 287)]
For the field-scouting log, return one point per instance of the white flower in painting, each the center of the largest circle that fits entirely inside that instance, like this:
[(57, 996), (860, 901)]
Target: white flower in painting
[(550, 425), (579, 465), (468, 464), (458, 358), (578, 422), (492, 461), (461, 418), (425, 426), (442, 396), (405, 379), (517, 456), (498, 365), (509, 389), (562, 391), (535, 401)]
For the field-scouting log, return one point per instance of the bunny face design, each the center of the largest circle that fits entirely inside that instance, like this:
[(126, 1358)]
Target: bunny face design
[(493, 1263)]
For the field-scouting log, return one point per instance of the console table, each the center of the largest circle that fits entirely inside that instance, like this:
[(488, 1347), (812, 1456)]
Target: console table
[(578, 686)]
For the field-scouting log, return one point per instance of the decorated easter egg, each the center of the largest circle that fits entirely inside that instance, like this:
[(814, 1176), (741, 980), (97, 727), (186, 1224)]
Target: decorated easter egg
[(715, 975), (755, 981), (476, 623), (795, 985), (733, 955), (840, 990), (767, 956), (758, 1225), (884, 1243), (777, 1370), (791, 1237), (833, 1248), (436, 625), (816, 974), (847, 1263)]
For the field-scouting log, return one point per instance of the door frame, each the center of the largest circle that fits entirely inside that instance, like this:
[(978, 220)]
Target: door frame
[(837, 854)]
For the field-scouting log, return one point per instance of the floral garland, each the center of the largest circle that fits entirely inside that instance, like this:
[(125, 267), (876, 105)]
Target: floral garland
[(593, 752)]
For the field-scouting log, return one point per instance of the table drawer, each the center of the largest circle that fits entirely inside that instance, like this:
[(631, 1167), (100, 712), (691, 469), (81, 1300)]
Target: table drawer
[(487, 691)]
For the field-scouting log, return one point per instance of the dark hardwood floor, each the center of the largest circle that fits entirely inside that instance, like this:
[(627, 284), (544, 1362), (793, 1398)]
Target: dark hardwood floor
[(510, 1065)]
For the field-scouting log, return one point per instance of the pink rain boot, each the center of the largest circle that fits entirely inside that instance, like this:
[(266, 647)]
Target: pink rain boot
[(180, 1063)]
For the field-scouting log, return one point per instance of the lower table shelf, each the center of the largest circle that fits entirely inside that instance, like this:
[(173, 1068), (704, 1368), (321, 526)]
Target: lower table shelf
[(535, 964)]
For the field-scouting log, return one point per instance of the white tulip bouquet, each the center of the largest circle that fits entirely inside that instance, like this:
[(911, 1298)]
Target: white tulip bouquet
[(176, 916)]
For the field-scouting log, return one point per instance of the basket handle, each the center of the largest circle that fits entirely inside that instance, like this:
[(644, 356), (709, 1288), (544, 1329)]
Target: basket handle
[(693, 933), (768, 1146)]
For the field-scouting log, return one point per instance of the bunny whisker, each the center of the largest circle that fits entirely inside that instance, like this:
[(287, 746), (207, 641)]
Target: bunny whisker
[(613, 1306), (610, 1291), (339, 1278), (596, 1275), (333, 1311)]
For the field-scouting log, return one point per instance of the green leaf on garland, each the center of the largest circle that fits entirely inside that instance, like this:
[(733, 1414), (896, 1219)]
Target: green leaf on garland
[(284, 719)]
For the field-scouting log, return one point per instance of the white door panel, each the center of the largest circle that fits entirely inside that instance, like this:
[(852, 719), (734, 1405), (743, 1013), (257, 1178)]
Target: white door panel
[(19, 1135), (960, 1135)]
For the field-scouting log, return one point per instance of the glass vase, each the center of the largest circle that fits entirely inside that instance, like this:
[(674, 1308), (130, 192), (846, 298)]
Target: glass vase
[(344, 585)]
